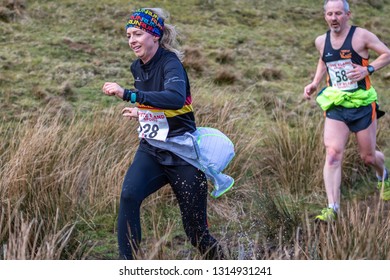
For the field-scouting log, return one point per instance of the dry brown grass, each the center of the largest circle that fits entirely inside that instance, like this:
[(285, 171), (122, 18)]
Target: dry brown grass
[(194, 60), (61, 172), (225, 76), (56, 173), (11, 10), (33, 238)]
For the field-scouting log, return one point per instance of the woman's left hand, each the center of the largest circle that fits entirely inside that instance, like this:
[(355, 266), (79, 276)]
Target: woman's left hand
[(130, 112)]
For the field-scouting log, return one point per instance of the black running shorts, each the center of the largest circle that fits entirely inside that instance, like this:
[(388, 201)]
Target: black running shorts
[(356, 119)]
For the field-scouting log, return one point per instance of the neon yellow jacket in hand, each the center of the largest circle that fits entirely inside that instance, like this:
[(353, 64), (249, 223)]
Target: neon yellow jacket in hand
[(331, 96)]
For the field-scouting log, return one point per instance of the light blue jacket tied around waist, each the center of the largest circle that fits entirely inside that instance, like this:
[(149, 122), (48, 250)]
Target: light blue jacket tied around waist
[(208, 149)]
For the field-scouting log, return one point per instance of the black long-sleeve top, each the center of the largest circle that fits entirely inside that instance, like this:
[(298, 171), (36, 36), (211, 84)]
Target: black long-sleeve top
[(162, 83)]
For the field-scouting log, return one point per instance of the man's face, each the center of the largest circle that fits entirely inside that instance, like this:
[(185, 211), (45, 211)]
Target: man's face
[(336, 17)]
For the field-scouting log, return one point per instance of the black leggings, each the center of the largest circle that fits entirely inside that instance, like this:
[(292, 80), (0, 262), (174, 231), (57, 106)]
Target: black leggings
[(144, 177)]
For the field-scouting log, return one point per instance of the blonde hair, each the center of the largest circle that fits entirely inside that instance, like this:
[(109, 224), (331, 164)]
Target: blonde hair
[(169, 39)]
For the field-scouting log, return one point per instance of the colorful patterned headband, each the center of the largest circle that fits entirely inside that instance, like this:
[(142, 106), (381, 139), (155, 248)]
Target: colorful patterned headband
[(148, 21)]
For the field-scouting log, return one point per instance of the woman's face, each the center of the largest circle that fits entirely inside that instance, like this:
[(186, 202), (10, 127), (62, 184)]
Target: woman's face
[(142, 43)]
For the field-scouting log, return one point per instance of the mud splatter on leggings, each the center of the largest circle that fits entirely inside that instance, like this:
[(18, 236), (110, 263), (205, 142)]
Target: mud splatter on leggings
[(145, 176)]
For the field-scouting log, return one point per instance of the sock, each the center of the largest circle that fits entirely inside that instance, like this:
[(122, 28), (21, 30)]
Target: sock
[(385, 175), (334, 206)]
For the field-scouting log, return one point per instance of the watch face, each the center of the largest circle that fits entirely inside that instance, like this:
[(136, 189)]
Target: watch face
[(370, 69)]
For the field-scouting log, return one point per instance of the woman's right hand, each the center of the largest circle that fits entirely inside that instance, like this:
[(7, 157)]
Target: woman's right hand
[(111, 89), (130, 112)]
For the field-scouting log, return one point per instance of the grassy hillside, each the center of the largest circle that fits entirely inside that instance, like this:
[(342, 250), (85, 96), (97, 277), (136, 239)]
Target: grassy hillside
[(65, 148), (68, 48)]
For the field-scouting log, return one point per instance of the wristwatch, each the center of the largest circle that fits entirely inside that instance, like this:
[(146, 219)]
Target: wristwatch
[(130, 95), (133, 97), (370, 69)]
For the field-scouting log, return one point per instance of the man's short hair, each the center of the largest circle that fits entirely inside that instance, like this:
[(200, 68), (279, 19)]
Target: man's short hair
[(345, 3)]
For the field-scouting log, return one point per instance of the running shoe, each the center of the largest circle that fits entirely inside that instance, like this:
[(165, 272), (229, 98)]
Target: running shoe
[(385, 184), (327, 215)]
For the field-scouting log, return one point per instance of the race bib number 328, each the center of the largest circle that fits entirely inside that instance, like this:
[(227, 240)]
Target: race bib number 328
[(152, 125)]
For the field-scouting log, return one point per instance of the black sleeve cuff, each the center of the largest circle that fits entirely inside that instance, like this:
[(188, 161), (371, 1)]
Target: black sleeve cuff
[(127, 95)]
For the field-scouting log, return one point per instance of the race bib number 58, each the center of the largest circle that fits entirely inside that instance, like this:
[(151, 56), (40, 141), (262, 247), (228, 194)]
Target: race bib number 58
[(338, 74), (152, 125)]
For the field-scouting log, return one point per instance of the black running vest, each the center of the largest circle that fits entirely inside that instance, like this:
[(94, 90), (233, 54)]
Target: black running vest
[(345, 53)]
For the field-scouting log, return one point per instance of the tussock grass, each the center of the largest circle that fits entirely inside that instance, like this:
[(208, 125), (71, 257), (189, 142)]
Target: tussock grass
[(67, 169), (225, 76), (58, 174), (64, 148), (293, 156), (360, 233), (194, 60), (30, 238)]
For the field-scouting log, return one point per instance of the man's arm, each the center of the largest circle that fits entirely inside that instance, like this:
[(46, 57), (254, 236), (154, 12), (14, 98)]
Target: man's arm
[(373, 43), (320, 71), (363, 43)]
